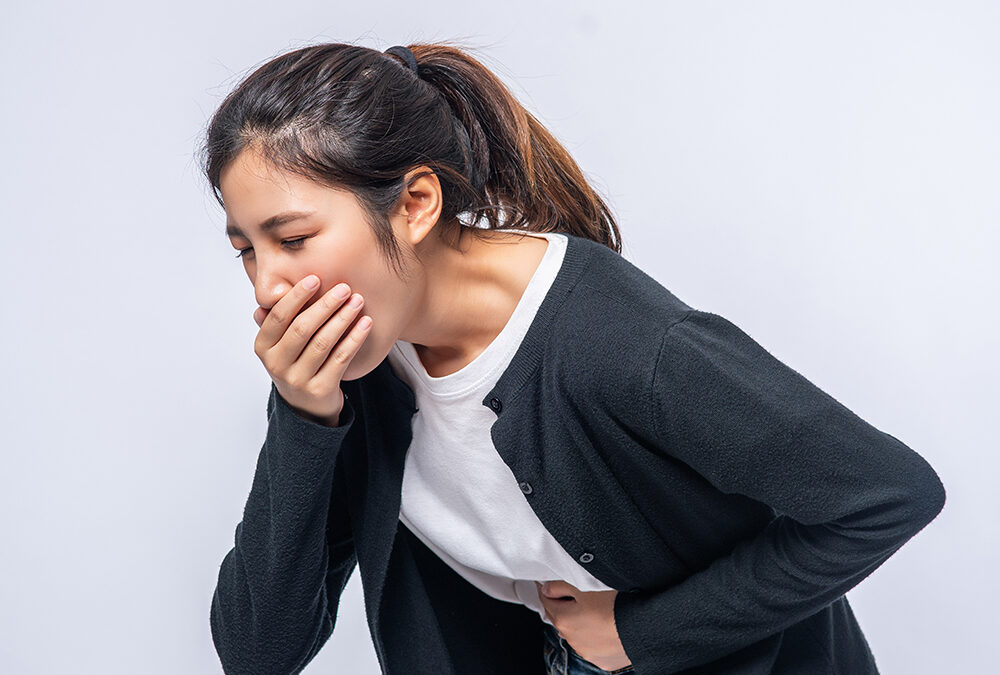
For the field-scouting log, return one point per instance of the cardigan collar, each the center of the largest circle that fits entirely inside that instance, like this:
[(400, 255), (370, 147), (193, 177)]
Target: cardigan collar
[(525, 360)]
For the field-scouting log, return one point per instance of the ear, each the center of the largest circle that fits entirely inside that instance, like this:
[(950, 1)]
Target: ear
[(420, 205)]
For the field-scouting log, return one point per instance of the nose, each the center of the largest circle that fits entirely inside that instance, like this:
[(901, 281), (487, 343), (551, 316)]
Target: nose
[(270, 284)]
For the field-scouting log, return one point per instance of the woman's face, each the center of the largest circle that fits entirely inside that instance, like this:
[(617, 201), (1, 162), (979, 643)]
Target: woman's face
[(330, 238)]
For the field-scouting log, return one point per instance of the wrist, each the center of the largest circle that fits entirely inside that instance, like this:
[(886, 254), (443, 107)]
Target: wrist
[(331, 421)]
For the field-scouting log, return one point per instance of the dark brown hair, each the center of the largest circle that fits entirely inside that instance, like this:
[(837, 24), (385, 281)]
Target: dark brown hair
[(358, 119)]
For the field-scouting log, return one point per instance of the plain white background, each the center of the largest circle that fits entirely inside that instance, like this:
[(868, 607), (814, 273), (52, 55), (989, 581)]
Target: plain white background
[(823, 174)]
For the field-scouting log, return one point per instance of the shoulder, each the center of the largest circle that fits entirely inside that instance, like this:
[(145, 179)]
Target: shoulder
[(606, 337), (609, 277), (615, 306)]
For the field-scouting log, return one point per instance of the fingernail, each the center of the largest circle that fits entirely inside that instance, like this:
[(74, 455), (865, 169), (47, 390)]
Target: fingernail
[(311, 282)]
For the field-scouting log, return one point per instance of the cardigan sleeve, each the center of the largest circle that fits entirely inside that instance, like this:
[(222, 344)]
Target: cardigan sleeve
[(278, 588), (846, 496)]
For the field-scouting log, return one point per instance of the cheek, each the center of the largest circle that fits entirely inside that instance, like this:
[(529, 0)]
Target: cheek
[(376, 294)]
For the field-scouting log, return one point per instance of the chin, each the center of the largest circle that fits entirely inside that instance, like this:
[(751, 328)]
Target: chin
[(363, 363)]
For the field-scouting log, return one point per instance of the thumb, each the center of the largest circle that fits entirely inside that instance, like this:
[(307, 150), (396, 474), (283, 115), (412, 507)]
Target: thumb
[(259, 315)]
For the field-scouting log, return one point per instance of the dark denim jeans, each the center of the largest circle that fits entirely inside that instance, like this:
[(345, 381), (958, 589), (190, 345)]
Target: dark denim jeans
[(561, 659)]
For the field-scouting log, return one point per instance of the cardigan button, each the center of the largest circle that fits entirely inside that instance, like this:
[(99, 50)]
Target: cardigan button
[(525, 487), (496, 404), (586, 557)]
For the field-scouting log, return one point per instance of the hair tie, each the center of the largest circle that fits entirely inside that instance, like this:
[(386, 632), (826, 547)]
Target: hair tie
[(463, 134), (405, 54)]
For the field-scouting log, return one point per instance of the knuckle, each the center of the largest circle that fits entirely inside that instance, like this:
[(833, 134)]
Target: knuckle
[(340, 355), (278, 314), (299, 330), (321, 343)]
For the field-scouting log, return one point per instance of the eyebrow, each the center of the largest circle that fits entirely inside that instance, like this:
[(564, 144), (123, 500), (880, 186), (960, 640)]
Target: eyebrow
[(271, 223)]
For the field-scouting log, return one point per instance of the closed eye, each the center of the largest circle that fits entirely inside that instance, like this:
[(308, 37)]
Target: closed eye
[(292, 243)]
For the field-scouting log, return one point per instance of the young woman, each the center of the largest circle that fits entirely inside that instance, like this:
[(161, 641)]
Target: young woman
[(539, 458)]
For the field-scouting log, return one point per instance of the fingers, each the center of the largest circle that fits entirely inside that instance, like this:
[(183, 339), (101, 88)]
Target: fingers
[(334, 367), (274, 327), (328, 353), (558, 588), (259, 315), (311, 348)]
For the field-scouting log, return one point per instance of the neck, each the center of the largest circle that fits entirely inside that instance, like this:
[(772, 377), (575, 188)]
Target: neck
[(469, 293)]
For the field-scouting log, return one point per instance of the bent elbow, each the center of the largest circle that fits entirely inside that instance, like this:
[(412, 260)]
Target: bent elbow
[(929, 496), (924, 490)]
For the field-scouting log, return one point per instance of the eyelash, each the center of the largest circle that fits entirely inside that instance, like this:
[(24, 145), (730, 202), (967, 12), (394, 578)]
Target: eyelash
[(296, 243)]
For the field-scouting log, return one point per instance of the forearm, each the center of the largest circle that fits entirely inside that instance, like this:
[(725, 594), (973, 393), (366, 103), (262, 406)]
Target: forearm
[(270, 610), (765, 584)]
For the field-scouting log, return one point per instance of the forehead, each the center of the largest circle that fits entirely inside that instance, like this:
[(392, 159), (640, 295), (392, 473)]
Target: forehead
[(255, 190), (249, 178)]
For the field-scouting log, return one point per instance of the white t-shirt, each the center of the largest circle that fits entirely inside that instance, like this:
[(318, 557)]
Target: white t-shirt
[(458, 495)]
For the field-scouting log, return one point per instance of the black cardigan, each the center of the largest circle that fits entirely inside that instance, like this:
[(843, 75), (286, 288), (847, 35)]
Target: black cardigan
[(729, 500)]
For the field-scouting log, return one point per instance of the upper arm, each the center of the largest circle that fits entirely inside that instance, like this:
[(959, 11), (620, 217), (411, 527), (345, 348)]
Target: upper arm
[(753, 425)]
